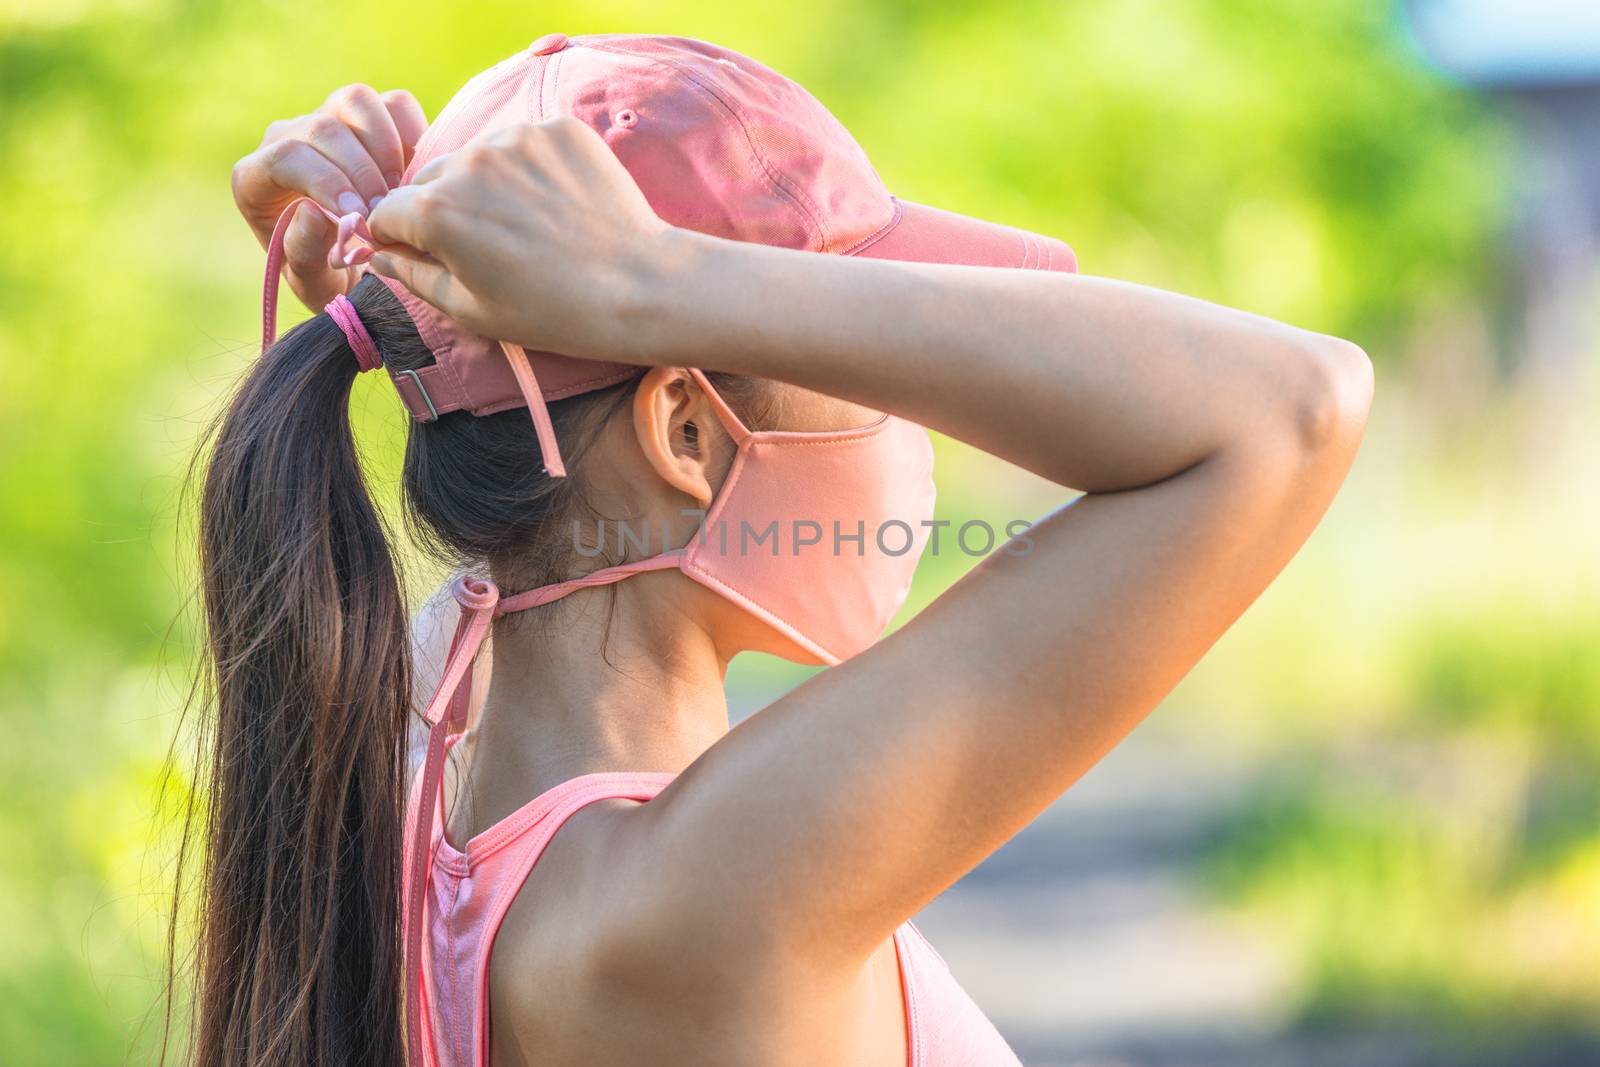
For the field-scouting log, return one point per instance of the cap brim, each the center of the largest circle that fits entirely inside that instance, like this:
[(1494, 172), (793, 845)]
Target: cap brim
[(923, 234)]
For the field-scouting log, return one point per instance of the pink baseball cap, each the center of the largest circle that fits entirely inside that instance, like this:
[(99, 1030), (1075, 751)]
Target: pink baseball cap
[(717, 143)]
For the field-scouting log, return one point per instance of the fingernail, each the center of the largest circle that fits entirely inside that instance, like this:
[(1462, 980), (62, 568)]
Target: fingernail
[(349, 202), (372, 205), (392, 179)]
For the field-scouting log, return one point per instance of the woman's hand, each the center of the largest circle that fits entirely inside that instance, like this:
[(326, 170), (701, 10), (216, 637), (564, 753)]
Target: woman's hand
[(534, 234), (346, 156)]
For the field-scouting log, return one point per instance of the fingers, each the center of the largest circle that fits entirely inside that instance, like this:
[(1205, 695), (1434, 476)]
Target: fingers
[(364, 113), (305, 250), (345, 156), (524, 135), (426, 277), (293, 164), (431, 170), (536, 140), (340, 145), (402, 218), (410, 121)]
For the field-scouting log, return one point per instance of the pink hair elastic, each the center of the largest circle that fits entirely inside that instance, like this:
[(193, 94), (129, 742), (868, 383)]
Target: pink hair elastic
[(343, 312)]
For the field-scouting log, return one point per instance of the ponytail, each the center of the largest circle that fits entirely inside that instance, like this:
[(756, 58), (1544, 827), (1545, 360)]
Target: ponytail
[(297, 959), (301, 790)]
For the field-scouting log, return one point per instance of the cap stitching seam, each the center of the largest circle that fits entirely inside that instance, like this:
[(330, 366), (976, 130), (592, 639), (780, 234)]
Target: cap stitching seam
[(555, 82), (615, 376), (778, 178), (481, 86), (495, 407), (437, 343), (780, 184), (895, 216), (538, 90)]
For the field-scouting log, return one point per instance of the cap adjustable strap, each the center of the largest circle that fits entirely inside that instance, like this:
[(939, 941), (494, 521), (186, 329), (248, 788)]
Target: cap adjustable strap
[(534, 396), (418, 397), (480, 604)]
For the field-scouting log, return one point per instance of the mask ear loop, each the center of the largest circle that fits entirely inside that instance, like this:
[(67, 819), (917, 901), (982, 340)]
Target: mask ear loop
[(725, 414)]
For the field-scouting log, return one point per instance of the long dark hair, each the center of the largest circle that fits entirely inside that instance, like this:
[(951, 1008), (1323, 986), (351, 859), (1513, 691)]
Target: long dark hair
[(297, 959)]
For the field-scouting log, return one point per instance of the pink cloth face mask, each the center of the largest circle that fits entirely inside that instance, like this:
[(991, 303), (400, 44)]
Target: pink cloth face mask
[(817, 534)]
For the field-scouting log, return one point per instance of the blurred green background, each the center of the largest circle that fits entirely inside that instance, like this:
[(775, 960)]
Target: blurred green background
[(1366, 830)]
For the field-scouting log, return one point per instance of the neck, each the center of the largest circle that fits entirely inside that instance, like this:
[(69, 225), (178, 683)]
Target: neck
[(579, 686)]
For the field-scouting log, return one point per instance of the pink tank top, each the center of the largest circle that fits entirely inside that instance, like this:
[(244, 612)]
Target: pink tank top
[(470, 892)]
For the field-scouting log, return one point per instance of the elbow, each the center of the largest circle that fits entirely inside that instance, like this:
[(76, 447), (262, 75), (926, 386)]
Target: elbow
[(1332, 396)]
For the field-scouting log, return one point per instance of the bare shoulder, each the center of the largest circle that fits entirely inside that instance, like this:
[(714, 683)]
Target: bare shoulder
[(596, 962), (589, 955), (599, 908)]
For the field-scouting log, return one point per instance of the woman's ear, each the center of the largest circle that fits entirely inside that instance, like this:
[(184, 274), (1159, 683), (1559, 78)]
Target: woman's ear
[(677, 429)]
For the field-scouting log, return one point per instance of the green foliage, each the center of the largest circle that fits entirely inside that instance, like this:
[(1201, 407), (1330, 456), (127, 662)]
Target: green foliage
[(1447, 873), (1376, 892), (1516, 668), (1403, 912)]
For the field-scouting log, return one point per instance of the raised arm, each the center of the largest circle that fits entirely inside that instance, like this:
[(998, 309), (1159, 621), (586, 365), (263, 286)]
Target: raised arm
[(1209, 441)]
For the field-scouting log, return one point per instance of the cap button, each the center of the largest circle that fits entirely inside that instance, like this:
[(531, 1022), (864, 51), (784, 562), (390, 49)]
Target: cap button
[(550, 42)]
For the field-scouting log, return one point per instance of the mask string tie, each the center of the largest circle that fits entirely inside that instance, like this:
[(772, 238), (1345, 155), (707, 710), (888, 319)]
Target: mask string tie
[(345, 253)]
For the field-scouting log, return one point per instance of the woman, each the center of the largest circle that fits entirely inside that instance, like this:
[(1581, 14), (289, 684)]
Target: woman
[(655, 887)]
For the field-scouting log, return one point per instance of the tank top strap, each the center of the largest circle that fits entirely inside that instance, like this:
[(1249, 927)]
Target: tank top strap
[(499, 860), (531, 827), (505, 854)]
